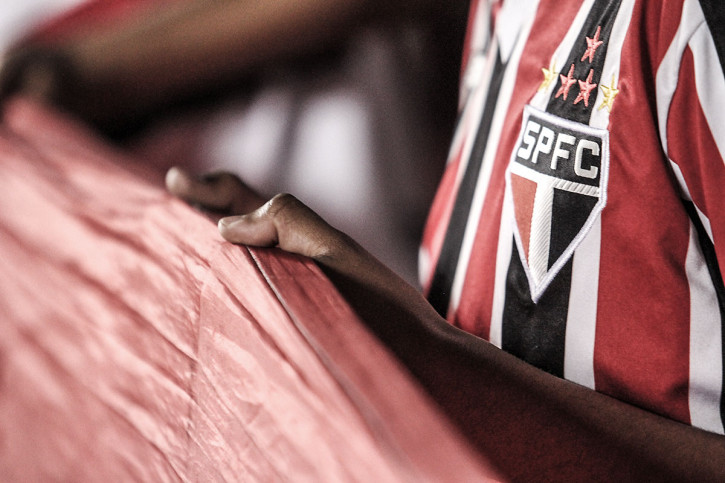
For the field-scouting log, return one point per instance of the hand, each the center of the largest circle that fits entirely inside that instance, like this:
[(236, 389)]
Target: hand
[(496, 400), (287, 223), (282, 221)]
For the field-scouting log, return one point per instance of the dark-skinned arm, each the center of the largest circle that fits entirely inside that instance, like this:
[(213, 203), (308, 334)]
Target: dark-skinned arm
[(532, 425)]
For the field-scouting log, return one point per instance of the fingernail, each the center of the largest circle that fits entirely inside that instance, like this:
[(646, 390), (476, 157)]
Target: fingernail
[(228, 222), (176, 179)]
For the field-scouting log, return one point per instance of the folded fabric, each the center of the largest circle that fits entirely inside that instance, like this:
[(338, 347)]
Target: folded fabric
[(136, 345)]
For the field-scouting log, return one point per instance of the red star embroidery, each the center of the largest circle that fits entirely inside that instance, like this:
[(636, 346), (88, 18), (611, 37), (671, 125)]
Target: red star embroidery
[(592, 45), (585, 89), (566, 82)]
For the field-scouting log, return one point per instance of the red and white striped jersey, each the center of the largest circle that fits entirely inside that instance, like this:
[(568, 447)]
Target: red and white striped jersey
[(580, 223)]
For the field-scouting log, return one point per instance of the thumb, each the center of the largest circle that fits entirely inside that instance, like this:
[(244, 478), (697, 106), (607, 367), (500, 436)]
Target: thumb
[(286, 222)]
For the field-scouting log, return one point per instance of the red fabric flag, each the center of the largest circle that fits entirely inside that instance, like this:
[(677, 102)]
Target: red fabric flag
[(136, 345)]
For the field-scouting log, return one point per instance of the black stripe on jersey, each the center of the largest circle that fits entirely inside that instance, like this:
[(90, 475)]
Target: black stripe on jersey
[(708, 252), (714, 11), (536, 332), (440, 289), (602, 15), (569, 213)]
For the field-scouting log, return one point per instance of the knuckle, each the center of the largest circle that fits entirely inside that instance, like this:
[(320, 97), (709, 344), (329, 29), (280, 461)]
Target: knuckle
[(283, 206), (227, 178), (219, 178), (308, 228), (221, 188)]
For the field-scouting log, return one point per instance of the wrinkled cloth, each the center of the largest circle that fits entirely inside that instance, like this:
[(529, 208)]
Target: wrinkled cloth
[(136, 345)]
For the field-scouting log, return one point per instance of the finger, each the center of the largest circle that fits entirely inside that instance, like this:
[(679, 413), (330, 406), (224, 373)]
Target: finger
[(220, 192), (181, 184), (288, 223)]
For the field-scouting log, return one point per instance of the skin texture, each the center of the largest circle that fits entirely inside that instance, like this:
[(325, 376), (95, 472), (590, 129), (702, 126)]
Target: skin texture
[(532, 425)]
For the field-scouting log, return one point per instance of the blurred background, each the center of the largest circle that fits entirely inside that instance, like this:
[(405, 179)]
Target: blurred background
[(357, 127), (16, 18)]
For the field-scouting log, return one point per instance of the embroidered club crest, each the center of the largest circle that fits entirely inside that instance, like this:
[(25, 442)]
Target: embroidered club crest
[(557, 182)]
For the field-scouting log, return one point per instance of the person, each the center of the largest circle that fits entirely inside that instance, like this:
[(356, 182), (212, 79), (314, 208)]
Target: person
[(577, 227)]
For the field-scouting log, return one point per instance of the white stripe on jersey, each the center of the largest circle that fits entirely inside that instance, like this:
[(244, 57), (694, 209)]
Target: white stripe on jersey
[(582, 316), (499, 116), (710, 88), (540, 237), (503, 259), (705, 387), (481, 35), (669, 70), (478, 46), (465, 135), (581, 322), (686, 194), (512, 15)]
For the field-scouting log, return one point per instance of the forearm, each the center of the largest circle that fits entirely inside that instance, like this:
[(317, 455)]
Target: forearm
[(532, 425), (537, 427), (186, 47), (170, 52)]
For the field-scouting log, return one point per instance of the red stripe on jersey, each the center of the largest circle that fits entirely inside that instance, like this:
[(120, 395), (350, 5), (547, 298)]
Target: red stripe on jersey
[(550, 26), (526, 193), (440, 214), (641, 352), (474, 313), (695, 152), (660, 21)]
